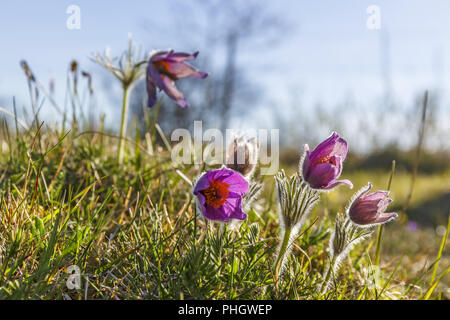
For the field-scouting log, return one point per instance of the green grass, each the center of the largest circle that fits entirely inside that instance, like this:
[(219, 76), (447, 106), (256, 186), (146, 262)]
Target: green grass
[(132, 231)]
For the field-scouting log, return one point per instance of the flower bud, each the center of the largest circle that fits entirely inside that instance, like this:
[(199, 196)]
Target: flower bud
[(369, 209), (242, 155)]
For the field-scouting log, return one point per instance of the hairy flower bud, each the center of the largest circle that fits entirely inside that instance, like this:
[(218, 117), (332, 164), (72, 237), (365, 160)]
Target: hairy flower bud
[(242, 155), (367, 210)]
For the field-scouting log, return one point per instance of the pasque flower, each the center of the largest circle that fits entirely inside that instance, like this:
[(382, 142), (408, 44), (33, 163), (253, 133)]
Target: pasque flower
[(321, 167), (368, 209), (219, 194), (242, 155), (166, 67), (364, 211)]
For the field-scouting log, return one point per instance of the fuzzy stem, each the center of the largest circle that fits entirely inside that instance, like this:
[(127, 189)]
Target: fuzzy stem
[(283, 250), (123, 124), (327, 280)]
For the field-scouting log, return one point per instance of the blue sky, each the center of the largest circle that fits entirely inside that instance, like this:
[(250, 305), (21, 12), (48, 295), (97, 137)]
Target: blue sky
[(328, 55)]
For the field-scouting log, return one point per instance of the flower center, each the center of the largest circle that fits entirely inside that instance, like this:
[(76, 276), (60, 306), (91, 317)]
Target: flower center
[(217, 193), (324, 159), (163, 67)]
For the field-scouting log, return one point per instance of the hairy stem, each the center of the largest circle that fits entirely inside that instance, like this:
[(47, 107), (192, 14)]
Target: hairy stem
[(123, 124), (283, 250), (327, 280)]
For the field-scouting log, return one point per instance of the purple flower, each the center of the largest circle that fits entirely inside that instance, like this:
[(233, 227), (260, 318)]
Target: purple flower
[(166, 67), (321, 167), (412, 226), (219, 194), (368, 209)]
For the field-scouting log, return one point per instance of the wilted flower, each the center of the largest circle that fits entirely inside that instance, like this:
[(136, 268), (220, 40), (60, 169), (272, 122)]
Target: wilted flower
[(369, 209), (321, 167), (219, 194), (27, 71), (127, 69), (166, 67), (89, 77), (74, 70), (242, 155)]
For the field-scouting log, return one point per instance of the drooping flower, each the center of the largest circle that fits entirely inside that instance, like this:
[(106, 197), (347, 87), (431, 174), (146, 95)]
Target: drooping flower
[(364, 211), (219, 194), (166, 67), (369, 209), (242, 155), (321, 167)]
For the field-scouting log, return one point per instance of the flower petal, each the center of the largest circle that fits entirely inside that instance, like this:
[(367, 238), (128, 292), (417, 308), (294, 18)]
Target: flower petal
[(237, 183), (218, 214), (332, 146), (181, 56), (160, 55), (154, 76), (385, 217), (321, 175), (379, 195), (172, 91), (151, 93), (233, 207), (202, 183), (182, 70), (338, 182)]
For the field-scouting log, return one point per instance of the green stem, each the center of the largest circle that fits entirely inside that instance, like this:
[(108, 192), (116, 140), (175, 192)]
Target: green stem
[(283, 249), (326, 280), (378, 251), (380, 227), (123, 124)]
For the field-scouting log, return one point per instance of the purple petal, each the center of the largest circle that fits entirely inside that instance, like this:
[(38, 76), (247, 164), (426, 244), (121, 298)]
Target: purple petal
[(237, 184), (233, 208), (338, 182), (181, 56), (151, 93), (221, 173), (385, 217), (172, 91), (153, 75), (160, 55), (332, 146), (202, 183), (217, 214), (364, 191), (379, 195), (183, 70), (305, 165), (383, 204), (321, 175)]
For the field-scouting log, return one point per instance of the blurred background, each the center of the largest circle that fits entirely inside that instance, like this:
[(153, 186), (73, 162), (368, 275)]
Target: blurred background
[(306, 67)]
